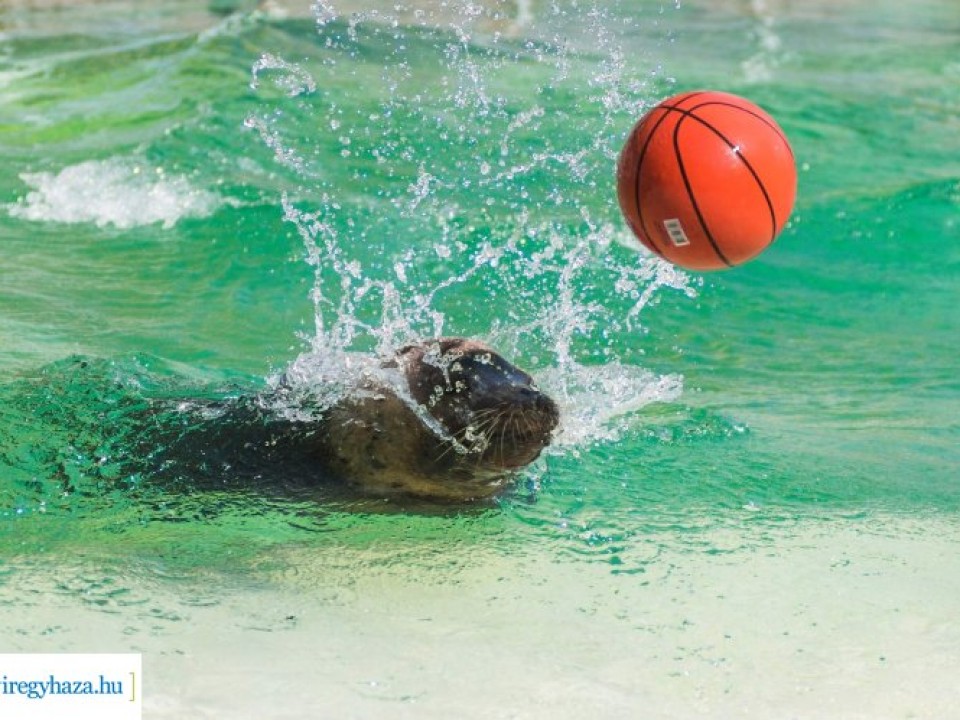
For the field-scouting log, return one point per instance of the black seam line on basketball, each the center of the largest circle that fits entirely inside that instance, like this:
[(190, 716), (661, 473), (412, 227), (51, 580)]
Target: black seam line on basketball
[(743, 159), (766, 121), (636, 177), (733, 146), (773, 126), (693, 198)]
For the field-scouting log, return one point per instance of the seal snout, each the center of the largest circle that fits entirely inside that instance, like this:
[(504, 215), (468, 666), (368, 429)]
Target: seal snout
[(524, 418), (492, 410), (538, 411)]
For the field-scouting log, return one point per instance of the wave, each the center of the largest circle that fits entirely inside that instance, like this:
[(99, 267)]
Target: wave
[(122, 192)]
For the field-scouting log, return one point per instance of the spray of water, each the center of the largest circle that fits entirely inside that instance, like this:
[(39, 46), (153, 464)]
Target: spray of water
[(454, 175)]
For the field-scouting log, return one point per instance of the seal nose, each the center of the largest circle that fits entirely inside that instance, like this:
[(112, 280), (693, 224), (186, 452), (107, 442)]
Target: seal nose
[(549, 409), (528, 395), (531, 398)]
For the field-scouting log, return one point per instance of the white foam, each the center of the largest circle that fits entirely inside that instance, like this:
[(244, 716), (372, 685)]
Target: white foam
[(315, 381), (597, 401), (121, 192)]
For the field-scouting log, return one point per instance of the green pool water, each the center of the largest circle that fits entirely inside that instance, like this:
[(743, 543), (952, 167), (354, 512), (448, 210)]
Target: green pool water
[(193, 196)]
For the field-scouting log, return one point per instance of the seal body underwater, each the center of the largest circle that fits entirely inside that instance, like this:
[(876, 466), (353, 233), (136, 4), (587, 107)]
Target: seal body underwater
[(447, 419)]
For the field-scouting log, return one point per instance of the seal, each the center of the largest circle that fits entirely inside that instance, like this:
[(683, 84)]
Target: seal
[(448, 419), (466, 421)]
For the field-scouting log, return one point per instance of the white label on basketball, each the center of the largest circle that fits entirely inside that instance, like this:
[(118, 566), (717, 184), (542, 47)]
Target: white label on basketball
[(675, 231)]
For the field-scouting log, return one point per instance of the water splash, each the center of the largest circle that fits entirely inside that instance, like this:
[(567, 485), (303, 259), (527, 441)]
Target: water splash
[(464, 193), (290, 78), (761, 67), (123, 192)]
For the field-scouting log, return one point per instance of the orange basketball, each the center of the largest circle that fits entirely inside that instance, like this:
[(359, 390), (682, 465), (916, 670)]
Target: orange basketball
[(706, 180)]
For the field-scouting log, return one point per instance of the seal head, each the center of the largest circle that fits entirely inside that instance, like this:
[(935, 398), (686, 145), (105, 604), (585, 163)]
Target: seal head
[(461, 420)]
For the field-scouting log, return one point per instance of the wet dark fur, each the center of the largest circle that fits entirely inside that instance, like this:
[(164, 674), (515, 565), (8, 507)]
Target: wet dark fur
[(478, 419)]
